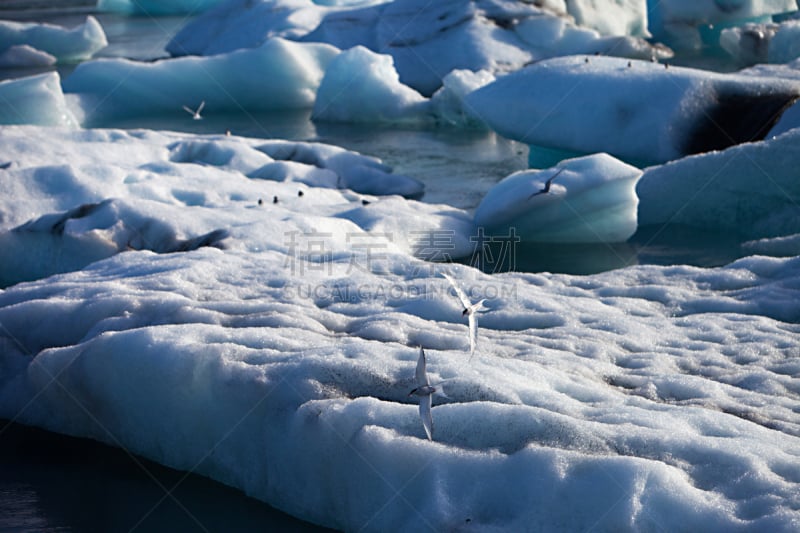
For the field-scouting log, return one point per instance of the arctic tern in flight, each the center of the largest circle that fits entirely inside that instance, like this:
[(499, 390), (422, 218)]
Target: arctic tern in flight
[(195, 114), (425, 391), (470, 310)]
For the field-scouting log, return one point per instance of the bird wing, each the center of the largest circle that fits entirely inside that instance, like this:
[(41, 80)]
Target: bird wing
[(203, 104), (550, 180), (473, 334), (422, 375), (425, 415), (477, 306), (461, 295), (190, 111), (547, 184)]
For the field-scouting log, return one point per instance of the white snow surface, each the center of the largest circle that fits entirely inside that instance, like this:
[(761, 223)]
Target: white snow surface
[(427, 40), (643, 399), (71, 197), (639, 111), (590, 199), (67, 46)]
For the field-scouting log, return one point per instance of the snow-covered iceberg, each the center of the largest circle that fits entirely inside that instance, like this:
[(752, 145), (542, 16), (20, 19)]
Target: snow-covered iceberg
[(426, 40), (104, 196), (66, 46), (35, 100), (590, 199), (280, 74), (639, 111), (646, 398)]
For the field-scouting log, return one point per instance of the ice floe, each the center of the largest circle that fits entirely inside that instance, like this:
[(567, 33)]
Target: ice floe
[(362, 86), (749, 190), (644, 398), (590, 199), (679, 22), (428, 41), (99, 193), (639, 111), (754, 43), (280, 74), (34, 42), (35, 100)]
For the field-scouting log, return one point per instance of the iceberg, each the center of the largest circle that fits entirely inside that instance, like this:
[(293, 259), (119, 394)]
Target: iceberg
[(749, 191), (627, 17), (678, 22), (67, 46), (642, 112), (35, 100), (280, 362), (280, 74), (362, 86), (59, 209), (754, 43), (237, 24), (23, 55), (589, 199), (427, 41), (448, 103)]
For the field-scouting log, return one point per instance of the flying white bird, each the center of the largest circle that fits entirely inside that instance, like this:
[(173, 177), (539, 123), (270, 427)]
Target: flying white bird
[(425, 391), (470, 310), (195, 114)]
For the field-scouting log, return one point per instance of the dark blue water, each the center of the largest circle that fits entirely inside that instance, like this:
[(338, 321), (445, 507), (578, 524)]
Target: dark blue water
[(51, 483)]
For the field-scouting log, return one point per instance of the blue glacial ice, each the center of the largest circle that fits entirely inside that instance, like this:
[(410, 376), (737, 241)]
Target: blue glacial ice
[(280, 74), (19, 41), (639, 111), (35, 100), (494, 36), (590, 199)]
